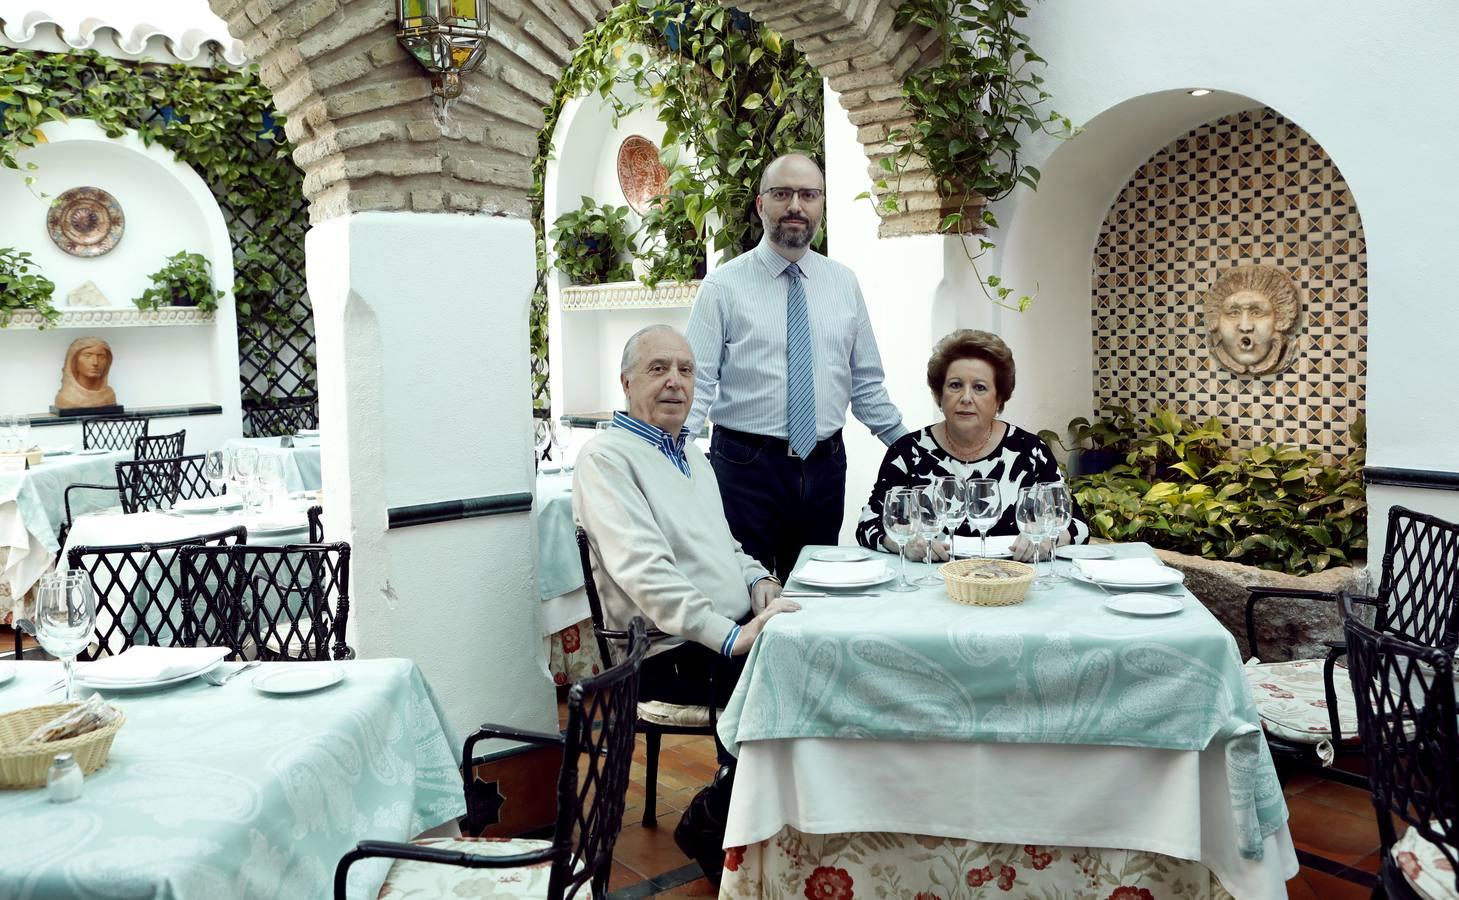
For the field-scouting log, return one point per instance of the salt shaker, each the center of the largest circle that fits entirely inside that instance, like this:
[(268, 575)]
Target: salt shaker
[(64, 780)]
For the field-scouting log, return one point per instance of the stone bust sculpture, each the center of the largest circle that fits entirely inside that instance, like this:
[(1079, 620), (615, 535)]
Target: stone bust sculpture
[(1252, 318), (83, 376)]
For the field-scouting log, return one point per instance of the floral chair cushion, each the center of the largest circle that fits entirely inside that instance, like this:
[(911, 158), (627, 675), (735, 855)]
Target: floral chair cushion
[(1425, 867), (1292, 701), (410, 880), (661, 713)]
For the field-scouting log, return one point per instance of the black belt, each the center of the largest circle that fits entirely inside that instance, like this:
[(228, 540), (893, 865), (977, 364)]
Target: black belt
[(824, 447)]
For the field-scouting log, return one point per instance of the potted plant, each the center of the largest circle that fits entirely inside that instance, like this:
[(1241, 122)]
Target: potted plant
[(592, 244), (186, 280), (23, 288), (1099, 445)]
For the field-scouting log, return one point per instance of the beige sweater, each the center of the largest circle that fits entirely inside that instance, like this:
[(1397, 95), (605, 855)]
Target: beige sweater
[(661, 547)]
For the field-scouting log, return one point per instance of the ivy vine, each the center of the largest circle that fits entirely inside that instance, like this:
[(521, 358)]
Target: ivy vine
[(222, 123)]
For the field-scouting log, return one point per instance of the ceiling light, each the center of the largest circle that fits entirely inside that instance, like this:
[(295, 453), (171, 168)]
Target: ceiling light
[(1199, 92)]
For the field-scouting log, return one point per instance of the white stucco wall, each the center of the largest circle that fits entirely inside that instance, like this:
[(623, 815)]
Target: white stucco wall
[(168, 209), (423, 401)]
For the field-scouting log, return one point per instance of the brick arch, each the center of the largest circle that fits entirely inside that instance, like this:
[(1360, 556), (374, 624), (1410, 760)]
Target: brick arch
[(368, 136)]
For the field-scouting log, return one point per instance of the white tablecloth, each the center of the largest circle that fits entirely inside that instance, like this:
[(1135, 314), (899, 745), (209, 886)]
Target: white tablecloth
[(99, 530), (32, 510), (301, 461)]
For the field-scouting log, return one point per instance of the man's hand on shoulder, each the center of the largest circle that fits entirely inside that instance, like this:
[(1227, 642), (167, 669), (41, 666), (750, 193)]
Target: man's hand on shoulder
[(752, 629), (766, 591)]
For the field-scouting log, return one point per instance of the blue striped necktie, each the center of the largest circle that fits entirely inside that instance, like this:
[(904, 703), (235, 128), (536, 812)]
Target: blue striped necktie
[(800, 375)]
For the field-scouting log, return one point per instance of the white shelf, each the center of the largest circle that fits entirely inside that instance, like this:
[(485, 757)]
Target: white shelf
[(629, 295), (114, 317)]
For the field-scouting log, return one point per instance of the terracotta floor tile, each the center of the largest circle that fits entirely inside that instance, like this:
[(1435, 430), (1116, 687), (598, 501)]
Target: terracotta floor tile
[(1343, 797), (1299, 889), (622, 877), (1299, 781), (1330, 887), (1329, 832), (699, 887), (648, 851), (1370, 863)]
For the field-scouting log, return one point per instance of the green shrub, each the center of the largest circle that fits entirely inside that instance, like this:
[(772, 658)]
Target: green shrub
[(1272, 506), (23, 290), (186, 280), (593, 243)]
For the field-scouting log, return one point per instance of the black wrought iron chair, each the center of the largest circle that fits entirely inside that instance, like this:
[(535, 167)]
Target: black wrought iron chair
[(316, 524), (160, 446), (272, 418), (1404, 693), (1417, 601), (158, 483), (655, 718), (114, 433), (597, 753), (140, 597), (287, 603)]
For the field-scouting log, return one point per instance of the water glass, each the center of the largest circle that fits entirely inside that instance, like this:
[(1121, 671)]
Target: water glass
[(954, 492), (270, 479), (1058, 513), (65, 617), (7, 432), (542, 438), (22, 432), (215, 469), (562, 434), (901, 517), (1028, 511), (934, 515), (245, 467), (985, 508)]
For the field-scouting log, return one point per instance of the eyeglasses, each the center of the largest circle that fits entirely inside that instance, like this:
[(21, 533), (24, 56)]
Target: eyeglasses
[(783, 194)]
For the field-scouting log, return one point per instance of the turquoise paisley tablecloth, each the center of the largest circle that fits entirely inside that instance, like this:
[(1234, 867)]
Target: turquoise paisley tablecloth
[(1056, 669), (224, 792), (559, 570)]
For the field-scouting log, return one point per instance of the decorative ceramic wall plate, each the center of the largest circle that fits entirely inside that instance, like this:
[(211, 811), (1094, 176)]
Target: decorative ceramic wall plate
[(86, 221), (640, 174)]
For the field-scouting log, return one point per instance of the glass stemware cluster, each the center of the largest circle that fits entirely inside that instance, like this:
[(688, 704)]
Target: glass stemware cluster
[(1043, 511), (14, 433)]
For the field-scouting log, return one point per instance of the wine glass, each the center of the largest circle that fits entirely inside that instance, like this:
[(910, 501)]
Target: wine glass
[(901, 517), (7, 432), (954, 493), (1058, 513), (934, 515), (245, 466), (1028, 511), (65, 616), (562, 434), (985, 508), (22, 432), (215, 469), (542, 438), (270, 478)]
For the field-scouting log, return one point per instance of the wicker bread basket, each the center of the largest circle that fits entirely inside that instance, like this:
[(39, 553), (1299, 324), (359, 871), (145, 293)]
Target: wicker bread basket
[(25, 766), (1002, 582)]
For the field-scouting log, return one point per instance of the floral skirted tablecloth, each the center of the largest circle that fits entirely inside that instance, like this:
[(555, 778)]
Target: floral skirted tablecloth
[(573, 654)]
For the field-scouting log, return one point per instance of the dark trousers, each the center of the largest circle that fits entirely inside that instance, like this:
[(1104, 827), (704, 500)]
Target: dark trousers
[(776, 503), (683, 676)]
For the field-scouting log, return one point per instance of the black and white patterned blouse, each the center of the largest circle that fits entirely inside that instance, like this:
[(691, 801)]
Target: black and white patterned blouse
[(1020, 459)]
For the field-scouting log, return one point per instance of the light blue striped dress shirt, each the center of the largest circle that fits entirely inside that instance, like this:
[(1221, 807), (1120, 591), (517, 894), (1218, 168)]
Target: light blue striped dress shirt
[(737, 332)]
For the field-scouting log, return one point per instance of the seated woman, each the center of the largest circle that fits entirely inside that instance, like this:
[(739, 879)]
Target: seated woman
[(971, 377)]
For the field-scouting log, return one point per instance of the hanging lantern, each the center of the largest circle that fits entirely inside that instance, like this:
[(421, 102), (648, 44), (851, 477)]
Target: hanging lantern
[(447, 37)]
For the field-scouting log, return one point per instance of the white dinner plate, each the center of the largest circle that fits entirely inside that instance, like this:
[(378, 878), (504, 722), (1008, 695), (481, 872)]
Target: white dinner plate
[(1084, 551), (93, 451), (144, 685), (1000, 546), (297, 678), (201, 505), (276, 527), (886, 576), (1144, 604), (1168, 576), (7, 671), (841, 554), (62, 450)]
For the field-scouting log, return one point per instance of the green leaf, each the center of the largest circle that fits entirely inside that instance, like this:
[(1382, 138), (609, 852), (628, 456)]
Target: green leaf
[(752, 101)]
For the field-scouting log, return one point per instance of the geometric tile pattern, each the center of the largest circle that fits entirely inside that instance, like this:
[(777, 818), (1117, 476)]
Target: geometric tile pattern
[(1250, 188)]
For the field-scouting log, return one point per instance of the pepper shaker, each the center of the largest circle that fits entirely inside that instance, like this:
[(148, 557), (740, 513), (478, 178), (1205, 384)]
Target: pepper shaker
[(64, 780)]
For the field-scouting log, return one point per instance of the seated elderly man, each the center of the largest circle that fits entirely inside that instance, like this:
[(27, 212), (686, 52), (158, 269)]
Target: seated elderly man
[(648, 499)]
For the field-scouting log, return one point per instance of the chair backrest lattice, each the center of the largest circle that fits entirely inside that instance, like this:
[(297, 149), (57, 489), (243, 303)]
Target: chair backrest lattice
[(112, 433), (285, 603), (597, 754), (275, 418), (153, 484), (1404, 694), (1419, 590), (140, 597), (315, 515), (161, 446)]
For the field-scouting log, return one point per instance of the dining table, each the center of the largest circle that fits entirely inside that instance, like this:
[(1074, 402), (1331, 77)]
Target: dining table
[(226, 791), (299, 454), (909, 743), (32, 510)]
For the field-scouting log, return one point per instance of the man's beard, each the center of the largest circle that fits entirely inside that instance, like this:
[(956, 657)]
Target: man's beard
[(795, 240)]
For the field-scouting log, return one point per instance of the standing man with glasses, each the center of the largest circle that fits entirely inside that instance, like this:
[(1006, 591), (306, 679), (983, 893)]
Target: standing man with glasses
[(782, 345)]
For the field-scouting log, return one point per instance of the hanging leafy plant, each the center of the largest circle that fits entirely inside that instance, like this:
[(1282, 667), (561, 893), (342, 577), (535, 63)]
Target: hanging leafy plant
[(972, 106), (186, 280), (23, 288), (592, 244)]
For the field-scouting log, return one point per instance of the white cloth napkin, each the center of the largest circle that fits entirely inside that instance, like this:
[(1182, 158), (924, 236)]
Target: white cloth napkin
[(998, 545), (1140, 571), (833, 573), (144, 664), (208, 504)]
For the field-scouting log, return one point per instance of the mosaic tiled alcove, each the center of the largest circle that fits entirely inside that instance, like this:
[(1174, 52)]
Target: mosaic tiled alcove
[(1249, 188)]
